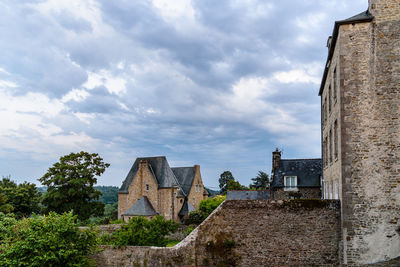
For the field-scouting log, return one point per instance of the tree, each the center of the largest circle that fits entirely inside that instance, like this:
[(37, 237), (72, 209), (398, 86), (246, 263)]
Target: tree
[(224, 179), (235, 185), (70, 185), (260, 181), (4, 206), (142, 232), (53, 240), (206, 207), (24, 198)]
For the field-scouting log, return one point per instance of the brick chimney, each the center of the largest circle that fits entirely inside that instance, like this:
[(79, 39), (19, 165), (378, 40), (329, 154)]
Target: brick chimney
[(276, 157)]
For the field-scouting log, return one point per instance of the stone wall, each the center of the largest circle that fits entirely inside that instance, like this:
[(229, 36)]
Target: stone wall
[(248, 233), (370, 81), (303, 192)]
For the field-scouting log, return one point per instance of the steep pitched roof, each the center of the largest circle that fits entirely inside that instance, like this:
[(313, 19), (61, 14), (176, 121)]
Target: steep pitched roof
[(362, 17), (186, 208), (308, 172), (142, 207), (185, 176), (160, 168)]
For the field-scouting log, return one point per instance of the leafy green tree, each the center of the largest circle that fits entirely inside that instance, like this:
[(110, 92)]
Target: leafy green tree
[(206, 207), (25, 198), (53, 240), (224, 179), (109, 194), (4, 206), (7, 221), (142, 232), (260, 181), (70, 185), (234, 185)]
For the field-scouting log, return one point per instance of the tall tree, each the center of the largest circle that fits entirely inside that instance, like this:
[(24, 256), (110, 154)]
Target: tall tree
[(224, 179), (70, 185), (25, 198), (260, 181)]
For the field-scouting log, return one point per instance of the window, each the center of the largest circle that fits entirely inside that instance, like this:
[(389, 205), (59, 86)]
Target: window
[(329, 99), (147, 187), (330, 146), (336, 191), (334, 85), (325, 110), (325, 152), (323, 114), (335, 133), (290, 183)]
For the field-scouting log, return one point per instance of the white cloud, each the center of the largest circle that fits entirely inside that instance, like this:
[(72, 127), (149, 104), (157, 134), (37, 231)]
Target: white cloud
[(115, 85), (172, 10), (77, 95), (309, 73)]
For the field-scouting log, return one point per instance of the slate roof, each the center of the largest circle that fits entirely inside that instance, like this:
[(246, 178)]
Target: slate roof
[(247, 194), (142, 207), (185, 176), (308, 172), (159, 166), (362, 17), (186, 208)]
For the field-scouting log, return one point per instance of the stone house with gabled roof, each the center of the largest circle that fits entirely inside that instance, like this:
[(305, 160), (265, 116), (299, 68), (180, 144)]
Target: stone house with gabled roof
[(152, 187), (295, 178)]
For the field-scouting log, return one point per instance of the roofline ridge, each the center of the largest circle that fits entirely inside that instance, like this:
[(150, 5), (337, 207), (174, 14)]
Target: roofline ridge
[(304, 159)]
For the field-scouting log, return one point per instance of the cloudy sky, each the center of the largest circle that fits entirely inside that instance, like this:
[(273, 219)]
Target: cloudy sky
[(215, 83)]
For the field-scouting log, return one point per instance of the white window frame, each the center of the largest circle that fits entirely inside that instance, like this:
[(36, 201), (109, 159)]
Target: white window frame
[(290, 188)]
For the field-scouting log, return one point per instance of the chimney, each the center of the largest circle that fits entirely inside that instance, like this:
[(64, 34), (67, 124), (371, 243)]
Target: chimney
[(384, 10), (276, 157), (143, 165)]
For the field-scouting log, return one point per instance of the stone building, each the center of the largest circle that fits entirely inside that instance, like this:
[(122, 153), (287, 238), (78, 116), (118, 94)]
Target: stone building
[(360, 101), (295, 178), (152, 187)]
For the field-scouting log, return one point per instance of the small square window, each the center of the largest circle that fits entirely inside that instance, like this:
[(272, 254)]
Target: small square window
[(147, 187)]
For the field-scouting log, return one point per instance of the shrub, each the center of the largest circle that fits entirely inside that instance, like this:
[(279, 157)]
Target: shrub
[(142, 232), (206, 207), (52, 240)]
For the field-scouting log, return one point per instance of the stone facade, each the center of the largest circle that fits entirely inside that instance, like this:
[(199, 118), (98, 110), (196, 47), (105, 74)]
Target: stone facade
[(167, 201), (306, 192), (364, 64), (295, 178), (285, 233)]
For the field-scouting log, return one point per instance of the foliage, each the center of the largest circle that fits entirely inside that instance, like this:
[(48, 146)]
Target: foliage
[(70, 185), (52, 240), (142, 232), (260, 181), (4, 206), (109, 194), (188, 230), (24, 198), (6, 223), (224, 179), (234, 185), (172, 243), (206, 207)]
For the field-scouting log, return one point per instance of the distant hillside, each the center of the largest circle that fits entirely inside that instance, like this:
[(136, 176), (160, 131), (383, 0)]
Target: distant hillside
[(212, 192), (109, 193)]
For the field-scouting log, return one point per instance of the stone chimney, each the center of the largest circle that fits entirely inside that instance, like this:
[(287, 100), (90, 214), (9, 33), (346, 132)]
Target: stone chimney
[(143, 165), (384, 10), (276, 157)]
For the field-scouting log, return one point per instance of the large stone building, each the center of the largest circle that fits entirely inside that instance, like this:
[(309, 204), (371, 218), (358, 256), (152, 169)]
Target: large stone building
[(360, 100), (295, 178), (152, 187)]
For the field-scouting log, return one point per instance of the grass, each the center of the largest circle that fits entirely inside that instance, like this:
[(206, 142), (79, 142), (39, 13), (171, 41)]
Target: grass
[(172, 243)]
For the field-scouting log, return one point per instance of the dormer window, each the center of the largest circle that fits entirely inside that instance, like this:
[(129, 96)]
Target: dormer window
[(290, 183)]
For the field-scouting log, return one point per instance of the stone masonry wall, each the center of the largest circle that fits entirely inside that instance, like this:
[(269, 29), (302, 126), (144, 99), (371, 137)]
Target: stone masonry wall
[(370, 73), (248, 233), (304, 192)]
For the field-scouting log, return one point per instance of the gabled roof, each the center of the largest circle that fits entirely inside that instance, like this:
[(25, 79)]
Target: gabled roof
[(362, 17), (308, 172), (186, 208), (142, 207), (160, 168), (185, 176)]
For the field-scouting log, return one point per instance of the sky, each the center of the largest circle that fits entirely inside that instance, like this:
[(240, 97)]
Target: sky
[(219, 83)]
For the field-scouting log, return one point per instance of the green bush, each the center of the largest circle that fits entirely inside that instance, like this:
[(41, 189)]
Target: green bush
[(206, 207), (142, 232), (52, 240)]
